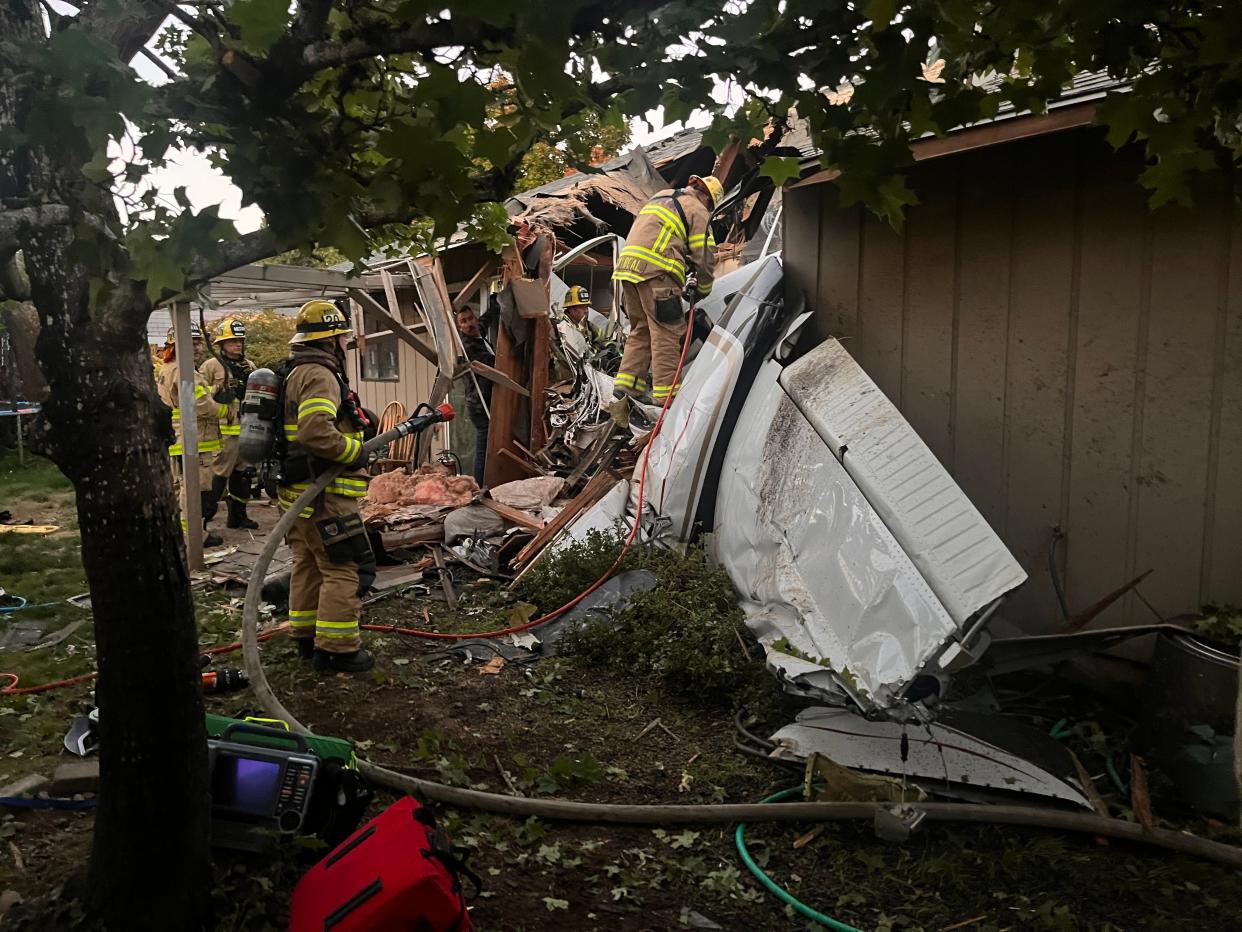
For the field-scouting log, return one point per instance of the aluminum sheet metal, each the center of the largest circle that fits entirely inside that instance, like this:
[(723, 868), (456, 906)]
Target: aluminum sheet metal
[(939, 756), (826, 588), (955, 550)]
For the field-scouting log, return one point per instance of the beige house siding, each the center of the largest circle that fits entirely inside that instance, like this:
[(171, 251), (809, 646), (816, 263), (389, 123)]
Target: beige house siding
[(415, 374), (1073, 358)]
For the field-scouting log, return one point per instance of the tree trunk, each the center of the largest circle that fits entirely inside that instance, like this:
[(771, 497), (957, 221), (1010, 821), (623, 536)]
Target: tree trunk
[(149, 869)]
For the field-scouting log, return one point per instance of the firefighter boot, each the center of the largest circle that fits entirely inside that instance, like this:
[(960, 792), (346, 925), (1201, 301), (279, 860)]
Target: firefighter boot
[(306, 648), (357, 661), (209, 505), (238, 517)]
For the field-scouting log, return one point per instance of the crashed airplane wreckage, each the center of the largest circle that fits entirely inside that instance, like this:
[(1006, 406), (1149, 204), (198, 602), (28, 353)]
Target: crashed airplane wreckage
[(862, 568)]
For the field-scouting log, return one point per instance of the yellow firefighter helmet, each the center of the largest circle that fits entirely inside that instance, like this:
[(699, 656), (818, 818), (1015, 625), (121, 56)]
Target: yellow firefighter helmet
[(714, 188), (576, 297), (171, 338), (228, 329), (318, 320)]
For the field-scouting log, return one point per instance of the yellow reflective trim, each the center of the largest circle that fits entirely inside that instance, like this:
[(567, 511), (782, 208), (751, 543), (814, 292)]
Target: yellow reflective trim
[(351, 451), (176, 414), (175, 449), (353, 434), (334, 489), (623, 275), (199, 391), (338, 625), (316, 404), (303, 613), (675, 266), (230, 430), (668, 216), (222, 412), (666, 235), (624, 379), (302, 623), (641, 385), (698, 240)]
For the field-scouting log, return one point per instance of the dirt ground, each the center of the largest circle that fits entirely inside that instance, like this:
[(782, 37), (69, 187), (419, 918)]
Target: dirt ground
[(558, 729)]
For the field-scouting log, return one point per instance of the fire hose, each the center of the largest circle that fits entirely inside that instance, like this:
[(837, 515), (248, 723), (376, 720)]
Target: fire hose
[(603, 813)]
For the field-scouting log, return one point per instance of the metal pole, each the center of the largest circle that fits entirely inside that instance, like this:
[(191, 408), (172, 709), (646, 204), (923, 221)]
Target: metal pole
[(189, 436), (21, 451)]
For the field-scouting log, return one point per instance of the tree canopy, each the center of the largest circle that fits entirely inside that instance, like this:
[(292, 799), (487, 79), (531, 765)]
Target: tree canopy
[(345, 121)]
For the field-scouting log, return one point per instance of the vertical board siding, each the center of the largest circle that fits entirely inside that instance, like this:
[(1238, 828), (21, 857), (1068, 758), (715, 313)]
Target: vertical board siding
[(984, 245), (881, 283), (1223, 559), (1040, 301), (1115, 221), (1187, 254), (1073, 358), (838, 269), (928, 308)]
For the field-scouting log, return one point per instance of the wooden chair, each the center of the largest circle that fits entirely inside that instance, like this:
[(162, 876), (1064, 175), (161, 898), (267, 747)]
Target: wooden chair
[(399, 452)]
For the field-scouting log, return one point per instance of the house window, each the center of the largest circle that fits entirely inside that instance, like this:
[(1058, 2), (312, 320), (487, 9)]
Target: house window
[(381, 360)]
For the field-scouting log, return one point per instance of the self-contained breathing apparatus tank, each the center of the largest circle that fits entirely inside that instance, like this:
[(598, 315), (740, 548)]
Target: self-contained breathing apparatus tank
[(260, 415)]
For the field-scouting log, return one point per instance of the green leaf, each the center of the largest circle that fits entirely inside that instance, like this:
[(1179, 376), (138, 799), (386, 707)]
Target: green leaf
[(552, 903), (781, 168), (262, 22), (881, 13)]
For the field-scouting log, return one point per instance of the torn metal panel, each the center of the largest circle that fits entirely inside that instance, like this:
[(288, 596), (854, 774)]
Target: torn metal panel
[(820, 576), (958, 554), (941, 753), (678, 469)]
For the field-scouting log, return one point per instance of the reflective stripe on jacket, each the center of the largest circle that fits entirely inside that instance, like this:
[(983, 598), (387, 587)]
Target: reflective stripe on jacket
[(316, 423), (207, 412), (659, 243), (214, 373)]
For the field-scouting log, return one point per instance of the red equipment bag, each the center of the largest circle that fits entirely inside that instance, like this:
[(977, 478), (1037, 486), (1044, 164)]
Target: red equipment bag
[(398, 873)]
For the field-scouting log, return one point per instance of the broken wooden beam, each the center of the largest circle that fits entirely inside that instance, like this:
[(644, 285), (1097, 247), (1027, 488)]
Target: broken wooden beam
[(513, 515), (463, 296), (496, 377), (591, 493), (399, 328), (531, 470)]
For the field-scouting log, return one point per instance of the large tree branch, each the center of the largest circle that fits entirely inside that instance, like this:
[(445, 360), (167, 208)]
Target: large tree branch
[(128, 26), (21, 222)]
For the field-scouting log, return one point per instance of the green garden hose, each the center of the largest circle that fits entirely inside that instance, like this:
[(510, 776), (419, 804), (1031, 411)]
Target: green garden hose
[(739, 838)]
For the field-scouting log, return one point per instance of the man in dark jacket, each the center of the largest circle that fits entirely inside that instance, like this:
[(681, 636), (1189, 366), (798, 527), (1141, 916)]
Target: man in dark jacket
[(478, 390)]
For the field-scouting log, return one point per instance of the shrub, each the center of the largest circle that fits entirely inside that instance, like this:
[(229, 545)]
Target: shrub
[(687, 630), (267, 337)]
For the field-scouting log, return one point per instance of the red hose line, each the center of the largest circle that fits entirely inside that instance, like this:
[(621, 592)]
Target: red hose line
[(13, 690), (629, 542)]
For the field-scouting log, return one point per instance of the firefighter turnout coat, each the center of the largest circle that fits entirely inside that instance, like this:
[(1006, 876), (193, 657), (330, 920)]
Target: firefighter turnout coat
[(660, 244), (319, 431)]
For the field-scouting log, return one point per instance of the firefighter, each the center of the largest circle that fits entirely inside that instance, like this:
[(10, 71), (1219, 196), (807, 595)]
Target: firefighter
[(226, 376), (473, 331), (208, 412), (332, 559), (578, 311), (671, 231)]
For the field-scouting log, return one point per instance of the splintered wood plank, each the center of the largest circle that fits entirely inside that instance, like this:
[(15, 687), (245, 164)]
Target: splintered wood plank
[(591, 493), (541, 339), (514, 515), (504, 411)]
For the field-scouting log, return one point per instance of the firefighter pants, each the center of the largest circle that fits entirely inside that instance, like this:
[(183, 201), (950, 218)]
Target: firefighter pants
[(323, 596), (204, 485), (228, 465), (650, 344)]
